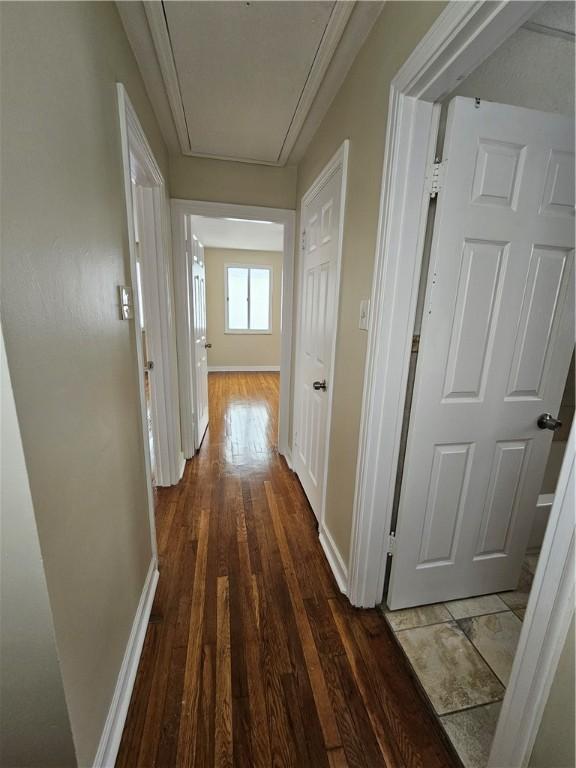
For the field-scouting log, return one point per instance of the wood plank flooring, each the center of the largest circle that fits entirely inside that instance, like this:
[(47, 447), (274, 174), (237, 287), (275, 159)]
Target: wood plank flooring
[(252, 656)]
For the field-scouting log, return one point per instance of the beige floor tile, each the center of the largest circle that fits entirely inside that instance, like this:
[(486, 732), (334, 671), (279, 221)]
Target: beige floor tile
[(417, 617), (450, 670), (471, 732), (519, 597), (475, 606), (496, 637), (520, 612)]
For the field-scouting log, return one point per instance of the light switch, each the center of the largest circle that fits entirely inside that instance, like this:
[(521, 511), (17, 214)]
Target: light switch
[(126, 303), (364, 314)]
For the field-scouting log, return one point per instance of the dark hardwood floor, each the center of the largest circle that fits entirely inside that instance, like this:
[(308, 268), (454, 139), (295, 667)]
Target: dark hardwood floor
[(252, 656)]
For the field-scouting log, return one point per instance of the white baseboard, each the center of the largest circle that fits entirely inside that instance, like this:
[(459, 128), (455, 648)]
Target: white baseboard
[(335, 560), (240, 368), (182, 467), (288, 456), (114, 725)]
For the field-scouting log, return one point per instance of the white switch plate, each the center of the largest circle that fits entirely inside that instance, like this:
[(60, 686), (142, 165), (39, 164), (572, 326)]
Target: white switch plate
[(126, 303), (364, 314)]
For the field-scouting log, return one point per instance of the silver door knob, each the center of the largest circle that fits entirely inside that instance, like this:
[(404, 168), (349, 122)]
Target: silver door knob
[(320, 385), (547, 421)]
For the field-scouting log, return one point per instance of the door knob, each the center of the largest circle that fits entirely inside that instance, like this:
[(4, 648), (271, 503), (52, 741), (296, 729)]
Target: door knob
[(547, 421), (320, 385), (207, 345)]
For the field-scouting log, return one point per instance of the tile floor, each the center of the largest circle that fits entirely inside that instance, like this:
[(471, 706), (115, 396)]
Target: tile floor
[(462, 653)]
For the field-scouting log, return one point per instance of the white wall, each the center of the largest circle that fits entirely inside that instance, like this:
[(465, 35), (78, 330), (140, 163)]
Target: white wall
[(530, 69)]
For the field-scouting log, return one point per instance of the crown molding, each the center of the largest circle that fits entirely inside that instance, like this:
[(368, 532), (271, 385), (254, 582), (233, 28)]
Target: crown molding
[(345, 33)]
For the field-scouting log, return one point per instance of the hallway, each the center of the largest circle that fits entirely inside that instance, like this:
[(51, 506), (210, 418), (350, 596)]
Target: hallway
[(252, 656)]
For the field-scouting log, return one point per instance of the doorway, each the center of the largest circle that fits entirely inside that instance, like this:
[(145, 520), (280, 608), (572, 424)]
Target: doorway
[(461, 625), (496, 342), (321, 232), (460, 40), (146, 302), (233, 268)]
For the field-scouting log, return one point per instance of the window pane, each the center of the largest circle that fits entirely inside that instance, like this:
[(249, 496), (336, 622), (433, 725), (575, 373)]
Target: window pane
[(259, 299), (237, 298)]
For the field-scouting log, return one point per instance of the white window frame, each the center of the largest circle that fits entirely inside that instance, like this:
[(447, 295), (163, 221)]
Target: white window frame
[(248, 331)]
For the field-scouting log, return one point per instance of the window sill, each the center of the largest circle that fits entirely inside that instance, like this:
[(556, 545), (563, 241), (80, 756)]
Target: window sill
[(248, 333)]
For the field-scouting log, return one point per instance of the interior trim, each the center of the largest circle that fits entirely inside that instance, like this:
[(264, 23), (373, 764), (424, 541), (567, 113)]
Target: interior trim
[(114, 725), (347, 29), (283, 216), (335, 559), (163, 47), (330, 39), (241, 368)]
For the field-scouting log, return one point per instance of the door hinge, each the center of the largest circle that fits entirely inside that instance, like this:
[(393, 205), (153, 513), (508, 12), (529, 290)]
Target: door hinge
[(303, 243), (391, 544), (435, 177)]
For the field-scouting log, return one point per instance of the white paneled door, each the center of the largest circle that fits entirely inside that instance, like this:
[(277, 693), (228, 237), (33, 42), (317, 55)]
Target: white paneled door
[(200, 356), (497, 337), (321, 218)]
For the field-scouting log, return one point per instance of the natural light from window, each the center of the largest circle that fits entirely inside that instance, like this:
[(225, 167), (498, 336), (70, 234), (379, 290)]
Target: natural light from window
[(248, 299)]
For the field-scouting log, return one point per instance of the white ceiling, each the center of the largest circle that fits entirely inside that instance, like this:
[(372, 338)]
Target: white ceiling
[(555, 16), (242, 68), (239, 234), (247, 81)]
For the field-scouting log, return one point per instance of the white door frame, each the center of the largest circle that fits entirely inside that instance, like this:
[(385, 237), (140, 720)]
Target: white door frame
[(461, 38), (169, 459), (181, 208), (544, 629), (338, 160)]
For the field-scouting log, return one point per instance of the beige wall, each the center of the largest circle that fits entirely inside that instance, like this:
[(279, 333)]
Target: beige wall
[(34, 725), (359, 112), (220, 181), (554, 745), (71, 358), (233, 348)]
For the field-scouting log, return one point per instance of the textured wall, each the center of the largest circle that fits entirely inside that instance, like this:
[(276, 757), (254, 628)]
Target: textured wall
[(71, 359)]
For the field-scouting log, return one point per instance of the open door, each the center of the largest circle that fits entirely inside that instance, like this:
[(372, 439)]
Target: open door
[(321, 224), (496, 342), (200, 344)]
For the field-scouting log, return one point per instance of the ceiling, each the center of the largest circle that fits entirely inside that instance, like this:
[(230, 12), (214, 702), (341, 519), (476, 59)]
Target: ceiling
[(244, 81), (238, 234), (555, 16)]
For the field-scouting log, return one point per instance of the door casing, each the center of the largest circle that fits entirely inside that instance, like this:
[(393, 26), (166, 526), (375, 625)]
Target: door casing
[(338, 163), (284, 216), (461, 38), (496, 462), (169, 458)]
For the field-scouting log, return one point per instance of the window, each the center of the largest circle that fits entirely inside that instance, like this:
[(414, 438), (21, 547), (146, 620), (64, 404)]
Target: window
[(248, 299)]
